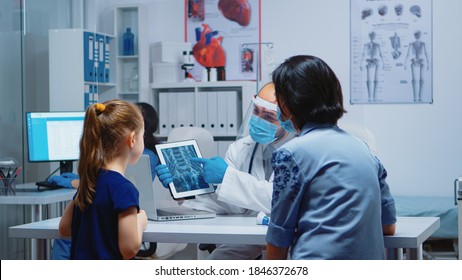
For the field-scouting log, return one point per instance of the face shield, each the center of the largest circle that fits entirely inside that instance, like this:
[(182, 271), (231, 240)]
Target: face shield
[(261, 123)]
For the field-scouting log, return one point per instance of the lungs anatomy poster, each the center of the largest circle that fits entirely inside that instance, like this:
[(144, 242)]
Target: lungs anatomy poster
[(219, 31), (391, 51)]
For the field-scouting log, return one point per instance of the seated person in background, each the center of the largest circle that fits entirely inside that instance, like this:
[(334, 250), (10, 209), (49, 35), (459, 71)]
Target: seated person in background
[(245, 175), (330, 197), (61, 248)]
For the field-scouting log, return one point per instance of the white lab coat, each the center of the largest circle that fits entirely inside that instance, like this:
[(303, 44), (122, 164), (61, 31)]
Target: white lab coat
[(239, 193), (248, 191)]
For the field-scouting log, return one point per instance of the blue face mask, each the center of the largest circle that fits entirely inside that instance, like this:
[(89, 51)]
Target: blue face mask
[(261, 130), (288, 125)]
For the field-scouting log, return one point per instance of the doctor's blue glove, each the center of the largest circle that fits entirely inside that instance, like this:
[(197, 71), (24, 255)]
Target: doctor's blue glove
[(164, 175), (214, 169), (64, 180)]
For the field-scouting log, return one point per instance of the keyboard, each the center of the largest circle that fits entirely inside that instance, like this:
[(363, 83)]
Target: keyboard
[(46, 184)]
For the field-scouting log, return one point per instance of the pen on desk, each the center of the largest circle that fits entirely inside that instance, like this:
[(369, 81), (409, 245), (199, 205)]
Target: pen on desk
[(18, 170), (16, 173), (3, 179), (6, 182)]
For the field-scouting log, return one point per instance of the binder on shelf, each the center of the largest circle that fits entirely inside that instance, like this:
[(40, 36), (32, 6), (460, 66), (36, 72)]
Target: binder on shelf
[(190, 110), (180, 110), (212, 112), (88, 64), (185, 116), (163, 113), (211, 103), (95, 96), (95, 93), (172, 111), (221, 115), (107, 59), (86, 100), (96, 54), (90, 95), (232, 112), (101, 57), (201, 110)]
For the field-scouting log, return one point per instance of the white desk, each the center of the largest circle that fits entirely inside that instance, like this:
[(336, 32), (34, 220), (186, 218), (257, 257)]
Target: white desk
[(27, 194), (459, 221), (410, 232)]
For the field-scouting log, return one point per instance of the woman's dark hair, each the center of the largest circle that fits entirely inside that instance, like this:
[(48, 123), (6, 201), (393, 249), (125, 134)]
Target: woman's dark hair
[(309, 90), (151, 123)]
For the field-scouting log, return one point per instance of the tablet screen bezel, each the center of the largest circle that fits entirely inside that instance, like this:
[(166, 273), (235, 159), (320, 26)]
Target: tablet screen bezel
[(175, 187)]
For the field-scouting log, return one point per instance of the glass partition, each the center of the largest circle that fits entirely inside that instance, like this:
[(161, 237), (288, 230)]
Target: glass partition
[(24, 86), (11, 101)]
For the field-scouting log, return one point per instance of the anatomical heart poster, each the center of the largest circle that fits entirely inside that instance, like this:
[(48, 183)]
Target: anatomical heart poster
[(220, 33), (391, 51)]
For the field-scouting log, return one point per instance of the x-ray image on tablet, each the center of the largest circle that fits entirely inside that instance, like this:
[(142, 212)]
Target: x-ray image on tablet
[(188, 178)]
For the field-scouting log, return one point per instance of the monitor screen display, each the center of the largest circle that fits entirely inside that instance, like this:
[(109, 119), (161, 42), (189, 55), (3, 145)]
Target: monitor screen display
[(54, 136)]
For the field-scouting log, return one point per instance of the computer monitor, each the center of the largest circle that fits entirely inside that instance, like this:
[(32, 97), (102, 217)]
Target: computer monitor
[(54, 136)]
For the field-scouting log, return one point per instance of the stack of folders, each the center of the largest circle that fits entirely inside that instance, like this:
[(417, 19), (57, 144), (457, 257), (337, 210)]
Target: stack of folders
[(91, 95), (97, 52), (97, 57), (217, 111)]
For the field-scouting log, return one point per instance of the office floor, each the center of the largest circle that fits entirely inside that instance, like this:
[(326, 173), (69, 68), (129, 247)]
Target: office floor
[(434, 249), (188, 253)]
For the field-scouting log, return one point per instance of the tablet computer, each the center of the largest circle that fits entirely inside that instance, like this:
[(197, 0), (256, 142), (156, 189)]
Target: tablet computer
[(188, 177)]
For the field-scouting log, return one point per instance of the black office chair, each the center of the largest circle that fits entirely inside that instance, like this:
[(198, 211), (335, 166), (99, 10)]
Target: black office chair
[(207, 247), (147, 249), (211, 247)]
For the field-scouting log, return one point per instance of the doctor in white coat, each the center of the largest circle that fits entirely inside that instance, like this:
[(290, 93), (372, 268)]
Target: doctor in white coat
[(245, 176)]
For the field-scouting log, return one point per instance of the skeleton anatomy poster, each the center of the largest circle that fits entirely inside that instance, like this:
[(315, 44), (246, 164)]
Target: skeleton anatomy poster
[(224, 34), (391, 51)]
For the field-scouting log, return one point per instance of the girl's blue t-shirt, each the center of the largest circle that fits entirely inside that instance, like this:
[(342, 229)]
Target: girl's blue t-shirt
[(62, 248), (95, 230)]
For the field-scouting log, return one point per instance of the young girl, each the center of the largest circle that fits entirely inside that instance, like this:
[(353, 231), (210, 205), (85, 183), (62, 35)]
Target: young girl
[(104, 219)]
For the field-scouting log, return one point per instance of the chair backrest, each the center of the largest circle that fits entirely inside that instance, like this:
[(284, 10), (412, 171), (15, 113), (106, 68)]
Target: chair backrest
[(203, 137), (362, 133)]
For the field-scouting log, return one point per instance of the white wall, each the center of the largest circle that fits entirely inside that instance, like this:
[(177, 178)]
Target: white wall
[(419, 144), (165, 20)]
